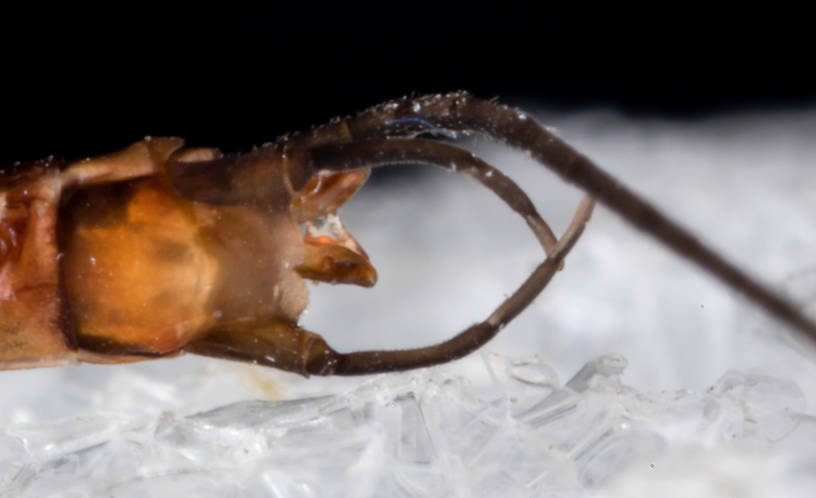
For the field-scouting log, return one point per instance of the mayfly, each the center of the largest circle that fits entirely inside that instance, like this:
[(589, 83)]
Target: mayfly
[(158, 249)]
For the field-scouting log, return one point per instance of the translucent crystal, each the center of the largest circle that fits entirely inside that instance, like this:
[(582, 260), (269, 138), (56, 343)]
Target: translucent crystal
[(413, 434)]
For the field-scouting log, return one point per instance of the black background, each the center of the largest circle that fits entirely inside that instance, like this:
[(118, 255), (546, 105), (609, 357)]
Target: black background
[(83, 82)]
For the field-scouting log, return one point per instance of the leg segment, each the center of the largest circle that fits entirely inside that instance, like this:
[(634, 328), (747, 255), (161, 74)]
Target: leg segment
[(459, 112), (278, 344), (472, 338), (382, 152)]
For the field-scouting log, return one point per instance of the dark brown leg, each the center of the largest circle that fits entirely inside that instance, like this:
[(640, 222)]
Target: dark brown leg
[(459, 112), (472, 338), (277, 344), (382, 152)]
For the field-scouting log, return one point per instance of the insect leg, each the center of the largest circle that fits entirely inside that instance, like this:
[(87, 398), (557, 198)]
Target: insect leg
[(376, 153), (384, 152), (280, 344)]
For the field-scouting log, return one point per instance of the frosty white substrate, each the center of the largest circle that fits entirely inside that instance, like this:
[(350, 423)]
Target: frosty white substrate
[(447, 252), (428, 433)]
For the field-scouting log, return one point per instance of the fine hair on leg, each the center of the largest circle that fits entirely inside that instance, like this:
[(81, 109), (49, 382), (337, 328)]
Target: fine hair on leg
[(418, 151)]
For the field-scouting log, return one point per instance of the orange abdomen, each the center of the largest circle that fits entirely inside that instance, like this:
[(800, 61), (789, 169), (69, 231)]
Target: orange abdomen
[(136, 275), (147, 272)]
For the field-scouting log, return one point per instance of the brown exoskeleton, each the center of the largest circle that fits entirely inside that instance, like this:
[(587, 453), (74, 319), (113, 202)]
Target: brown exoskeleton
[(157, 250)]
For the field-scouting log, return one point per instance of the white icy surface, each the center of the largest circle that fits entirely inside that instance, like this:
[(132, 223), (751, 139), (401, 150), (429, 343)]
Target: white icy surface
[(716, 400)]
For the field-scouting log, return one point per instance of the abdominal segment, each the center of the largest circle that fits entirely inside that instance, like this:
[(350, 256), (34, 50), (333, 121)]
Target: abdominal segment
[(136, 279), (33, 331), (146, 272)]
